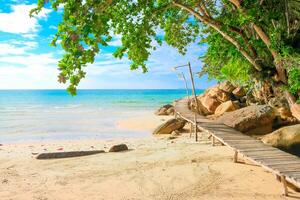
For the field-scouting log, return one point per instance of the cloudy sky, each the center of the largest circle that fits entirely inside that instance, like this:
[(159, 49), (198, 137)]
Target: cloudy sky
[(28, 62)]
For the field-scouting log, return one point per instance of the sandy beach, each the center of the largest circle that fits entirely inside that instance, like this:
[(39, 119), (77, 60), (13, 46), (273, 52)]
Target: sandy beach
[(153, 168)]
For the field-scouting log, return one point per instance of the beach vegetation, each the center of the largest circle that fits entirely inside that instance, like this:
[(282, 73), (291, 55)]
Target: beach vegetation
[(249, 42)]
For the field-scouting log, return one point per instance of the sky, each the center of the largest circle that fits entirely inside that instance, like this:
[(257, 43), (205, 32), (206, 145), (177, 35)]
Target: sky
[(28, 62)]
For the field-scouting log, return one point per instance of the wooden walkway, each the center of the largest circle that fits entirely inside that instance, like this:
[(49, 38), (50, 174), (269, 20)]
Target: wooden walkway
[(285, 166)]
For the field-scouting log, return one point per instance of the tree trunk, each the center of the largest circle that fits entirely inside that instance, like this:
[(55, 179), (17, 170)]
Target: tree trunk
[(217, 27), (263, 36), (295, 108)]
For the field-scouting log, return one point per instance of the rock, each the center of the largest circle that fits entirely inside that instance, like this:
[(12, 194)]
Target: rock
[(201, 108), (287, 138), (256, 119), (118, 148), (284, 113), (295, 109), (176, 133), (210, 103), (171, 137), (170, 111), (165, 110), (228, 106), (239, 92), (169, 126), (226, 86), (217, 93)]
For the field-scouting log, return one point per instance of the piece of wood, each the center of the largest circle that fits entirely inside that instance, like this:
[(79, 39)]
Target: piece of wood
[(235, 157), (213, 141), (191, 129), (70, 154), (284, 184)]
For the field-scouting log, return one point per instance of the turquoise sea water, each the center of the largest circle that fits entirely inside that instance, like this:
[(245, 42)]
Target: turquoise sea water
[(35, 115)]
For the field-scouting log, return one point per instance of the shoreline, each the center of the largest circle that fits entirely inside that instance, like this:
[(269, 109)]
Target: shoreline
[(154, 168)]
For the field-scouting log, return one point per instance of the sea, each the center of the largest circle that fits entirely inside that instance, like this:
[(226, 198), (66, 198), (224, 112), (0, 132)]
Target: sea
[(41, 115)]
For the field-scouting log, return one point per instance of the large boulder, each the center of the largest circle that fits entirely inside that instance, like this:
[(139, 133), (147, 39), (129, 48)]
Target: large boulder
[(165, 110), (210, 100), (287, 138), (201, 108), (210, 103), (227, 106), (226, 86), (256, 119), (169, 126), (218, 94)]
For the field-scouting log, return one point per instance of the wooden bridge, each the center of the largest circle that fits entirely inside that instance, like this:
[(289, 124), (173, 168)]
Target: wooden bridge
[(285, 166)]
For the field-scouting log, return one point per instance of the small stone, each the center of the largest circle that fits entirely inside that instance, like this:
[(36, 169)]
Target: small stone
[(1, 145), (60, 149), (34, 153), (172, 137), (193, 160), (118, 148)]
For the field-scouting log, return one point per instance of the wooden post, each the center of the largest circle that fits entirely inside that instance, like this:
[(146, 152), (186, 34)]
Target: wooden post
[(191, 129), (195, 96), (235, 157), (284, 183), (213, 141), (196, 129)]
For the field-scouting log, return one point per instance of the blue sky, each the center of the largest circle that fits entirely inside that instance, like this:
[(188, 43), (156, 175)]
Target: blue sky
[(28, 62)]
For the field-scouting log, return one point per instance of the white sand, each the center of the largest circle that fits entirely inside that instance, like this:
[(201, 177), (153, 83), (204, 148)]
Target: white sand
[(155, 168)]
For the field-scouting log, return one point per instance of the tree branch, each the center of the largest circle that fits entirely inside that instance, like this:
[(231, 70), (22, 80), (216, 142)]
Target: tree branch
[(217, 27), (263, 36)]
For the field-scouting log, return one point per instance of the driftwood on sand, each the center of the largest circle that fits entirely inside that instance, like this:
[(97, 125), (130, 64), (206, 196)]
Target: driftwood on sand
[(70, 154)]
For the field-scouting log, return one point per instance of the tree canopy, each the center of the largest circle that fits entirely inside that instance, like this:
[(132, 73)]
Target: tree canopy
[(248, 41)]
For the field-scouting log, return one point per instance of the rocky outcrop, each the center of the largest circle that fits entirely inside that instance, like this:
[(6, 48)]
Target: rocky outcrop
[(165, 110), (210, 100), (118, 148), (169, 126), (256, 119), (287, 138), (227, 106)]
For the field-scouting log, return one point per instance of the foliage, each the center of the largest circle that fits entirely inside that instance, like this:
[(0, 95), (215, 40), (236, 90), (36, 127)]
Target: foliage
[(247, 39)]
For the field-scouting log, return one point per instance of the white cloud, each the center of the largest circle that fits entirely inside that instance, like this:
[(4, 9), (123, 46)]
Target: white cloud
[(38, 60), (15, 47), (19, 22), (30, 71)]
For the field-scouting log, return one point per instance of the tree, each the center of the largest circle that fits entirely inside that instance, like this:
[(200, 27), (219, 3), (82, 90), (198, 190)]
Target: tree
[(249, 41)]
